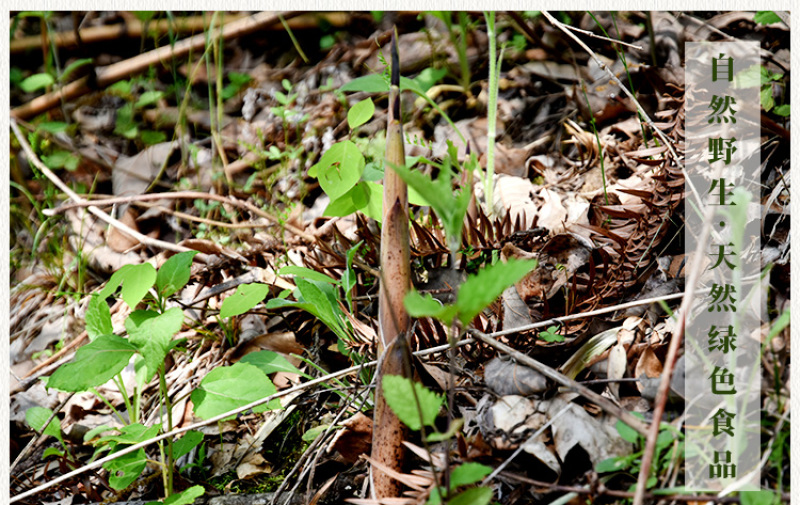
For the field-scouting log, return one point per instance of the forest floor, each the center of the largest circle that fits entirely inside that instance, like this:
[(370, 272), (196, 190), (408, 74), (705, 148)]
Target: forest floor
[(196, 228)]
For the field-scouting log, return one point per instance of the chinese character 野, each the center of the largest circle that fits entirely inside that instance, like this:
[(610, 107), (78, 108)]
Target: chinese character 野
[(721, 379), (722, 68), (721, 149), (722, 466), (721, 256), (722, 109), (722, 339), (722, 422), (724, 193), (723, 300)]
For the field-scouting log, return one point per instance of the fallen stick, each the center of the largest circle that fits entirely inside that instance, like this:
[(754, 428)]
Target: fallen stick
[(124, 69), (134, 28), (144, 239), (602, 402)]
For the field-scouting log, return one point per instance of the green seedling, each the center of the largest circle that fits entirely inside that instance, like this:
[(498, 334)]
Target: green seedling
[(150, 337)]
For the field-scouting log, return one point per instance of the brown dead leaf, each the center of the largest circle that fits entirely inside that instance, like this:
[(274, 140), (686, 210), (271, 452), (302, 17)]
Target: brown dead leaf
[(648, 365), (120, 241), (252, 465), (355, 439)]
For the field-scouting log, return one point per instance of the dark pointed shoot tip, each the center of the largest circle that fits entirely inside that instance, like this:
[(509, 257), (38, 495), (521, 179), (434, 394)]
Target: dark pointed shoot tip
[(395, 60), (467, 152), (396, 107)]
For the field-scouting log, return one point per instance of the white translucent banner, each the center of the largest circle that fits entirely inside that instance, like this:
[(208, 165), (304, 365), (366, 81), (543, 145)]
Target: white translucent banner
[(722, 347)]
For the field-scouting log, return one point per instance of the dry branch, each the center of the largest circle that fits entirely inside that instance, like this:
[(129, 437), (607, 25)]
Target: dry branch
[(109, 75)]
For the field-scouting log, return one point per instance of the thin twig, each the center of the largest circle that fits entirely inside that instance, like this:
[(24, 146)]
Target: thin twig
[(346, 371), (602, 402), (603, 490), (127, 450), (124, 69), (192, 195), (38, 440), (601, 37), (508, 460), (566, 29), (669, 361), (144, 239)]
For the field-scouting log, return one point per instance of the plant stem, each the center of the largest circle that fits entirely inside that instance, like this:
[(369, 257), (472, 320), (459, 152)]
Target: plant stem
[(167, 405), (491, 133)]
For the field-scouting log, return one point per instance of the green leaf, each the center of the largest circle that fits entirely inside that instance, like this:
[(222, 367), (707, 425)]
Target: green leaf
[(72, 67), (766, 98), (766, 18), (152, 334), (186, 443), (482, 289), (782, 110), (429, 77), (126, 124), (245, 298), (551, 335), (611, 465), (452, 430), (144, 16), (185, 497), (664, 439), (129, 435), (313, 433), (150, 137), (229, 387), (98, 318), (349, 277), (125, 469), (36, 82), (439, 193), (366, 197), (373, 83), (95, 363), (418, 305), (53, 126), (340, 168), (121, 88), (474, 496), (135, 280), (627, 433), (89, 435), (306, 273), (148, 98), (319, 299), (760, 497), (399, 395), (360, 113), (60, 159), (270, 362), (52, 451), (175, 273), (37, 416), (468, 473)]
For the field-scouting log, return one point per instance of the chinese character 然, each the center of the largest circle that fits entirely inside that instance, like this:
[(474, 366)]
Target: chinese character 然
[(722, 109), (721, 377), (724, 193), (721, 149), (721, 256), (722, 422), (722, 468), (722, 68), (726, 342), (723, 300)]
